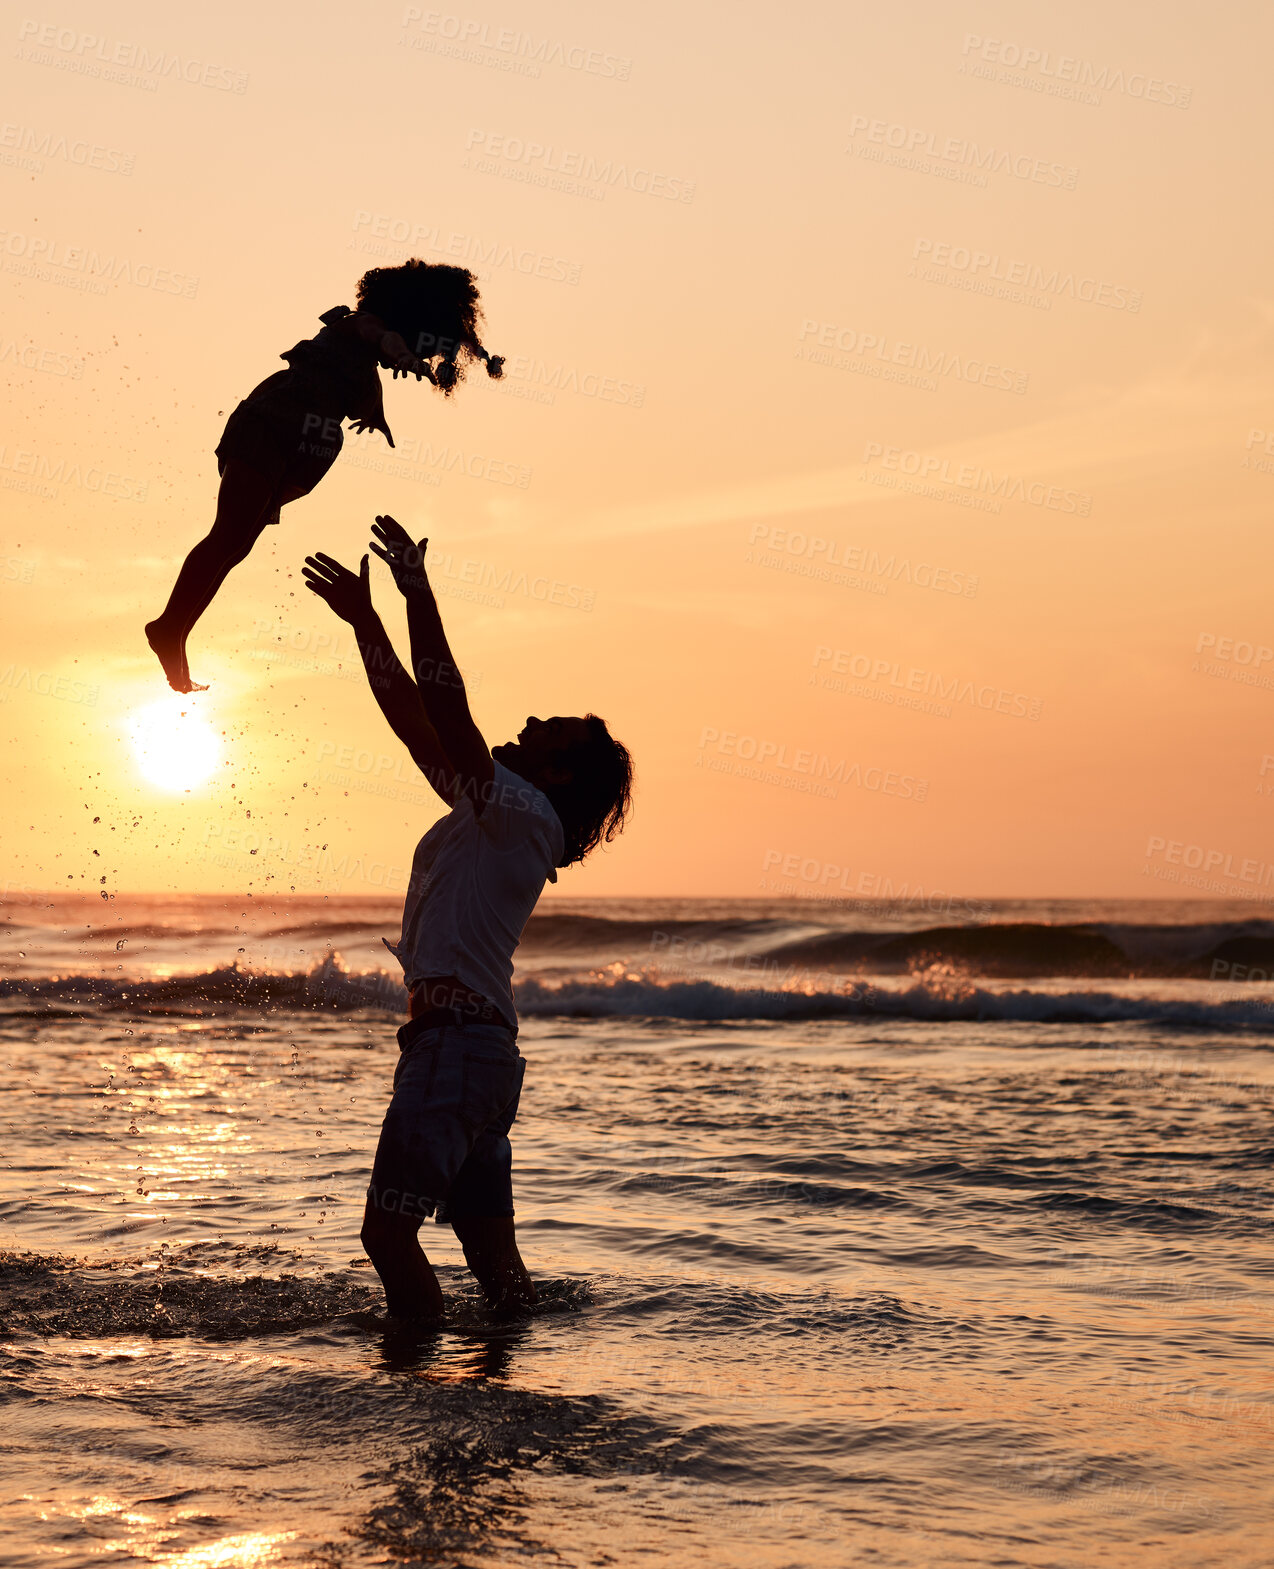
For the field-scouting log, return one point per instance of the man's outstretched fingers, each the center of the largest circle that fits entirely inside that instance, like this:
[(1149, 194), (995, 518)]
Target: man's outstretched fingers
[(391, 530)]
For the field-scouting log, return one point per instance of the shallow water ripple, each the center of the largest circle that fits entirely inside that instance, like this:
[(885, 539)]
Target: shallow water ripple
[(814, 1293)]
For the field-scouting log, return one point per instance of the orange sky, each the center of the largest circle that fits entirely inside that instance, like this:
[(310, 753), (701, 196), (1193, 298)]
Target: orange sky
[(799, 308)]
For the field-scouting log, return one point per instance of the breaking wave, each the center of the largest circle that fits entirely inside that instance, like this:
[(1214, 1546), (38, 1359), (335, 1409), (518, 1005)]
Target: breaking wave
[(938, 996)]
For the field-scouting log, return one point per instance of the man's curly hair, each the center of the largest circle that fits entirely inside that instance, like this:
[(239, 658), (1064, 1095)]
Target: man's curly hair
[(435, 309), (598, 800)]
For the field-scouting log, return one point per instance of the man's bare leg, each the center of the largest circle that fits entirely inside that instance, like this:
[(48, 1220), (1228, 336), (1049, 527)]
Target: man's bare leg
[(491, 1252), (411, 1288)]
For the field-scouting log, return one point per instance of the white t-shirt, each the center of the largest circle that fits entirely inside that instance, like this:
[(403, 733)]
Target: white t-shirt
[(475, 879)]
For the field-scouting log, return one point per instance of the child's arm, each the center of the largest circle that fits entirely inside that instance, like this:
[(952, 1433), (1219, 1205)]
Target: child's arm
[(438, 678), (373, 415), (394, 355), (390, 347), (395, 692)]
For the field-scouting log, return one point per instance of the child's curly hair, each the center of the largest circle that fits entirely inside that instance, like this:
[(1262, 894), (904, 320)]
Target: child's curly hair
[(435, 310)]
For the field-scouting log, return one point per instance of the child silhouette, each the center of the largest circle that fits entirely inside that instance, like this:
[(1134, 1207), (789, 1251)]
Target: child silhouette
[(286, 433)]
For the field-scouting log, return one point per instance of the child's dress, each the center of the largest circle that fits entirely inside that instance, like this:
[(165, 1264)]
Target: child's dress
[(289, 427)]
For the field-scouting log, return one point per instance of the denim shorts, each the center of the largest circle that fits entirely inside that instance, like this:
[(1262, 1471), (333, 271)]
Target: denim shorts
[(444, 1145)]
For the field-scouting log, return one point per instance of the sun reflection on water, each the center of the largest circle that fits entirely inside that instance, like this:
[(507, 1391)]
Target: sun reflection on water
[(245, 1551)]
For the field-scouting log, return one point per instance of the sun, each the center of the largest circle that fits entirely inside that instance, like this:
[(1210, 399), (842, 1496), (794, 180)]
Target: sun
[(175, 748)]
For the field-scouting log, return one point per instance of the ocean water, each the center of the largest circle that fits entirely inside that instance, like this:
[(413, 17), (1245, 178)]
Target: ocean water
[(867, 1233)]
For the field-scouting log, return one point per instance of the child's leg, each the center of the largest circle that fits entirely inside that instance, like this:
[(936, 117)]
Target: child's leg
[(244, 507)]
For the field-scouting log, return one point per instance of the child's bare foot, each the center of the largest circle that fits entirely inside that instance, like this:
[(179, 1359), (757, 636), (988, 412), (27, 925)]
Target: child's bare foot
[(171, 652)]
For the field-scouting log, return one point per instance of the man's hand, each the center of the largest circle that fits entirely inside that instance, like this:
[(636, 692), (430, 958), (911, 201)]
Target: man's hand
[(406, 560), (349, 596)]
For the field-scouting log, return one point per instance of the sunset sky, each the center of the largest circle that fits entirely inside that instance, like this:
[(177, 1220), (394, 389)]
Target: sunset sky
[(887, 449)]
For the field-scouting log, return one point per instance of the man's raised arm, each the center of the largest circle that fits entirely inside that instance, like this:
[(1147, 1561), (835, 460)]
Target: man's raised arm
[(438, 679), (395, 692)]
